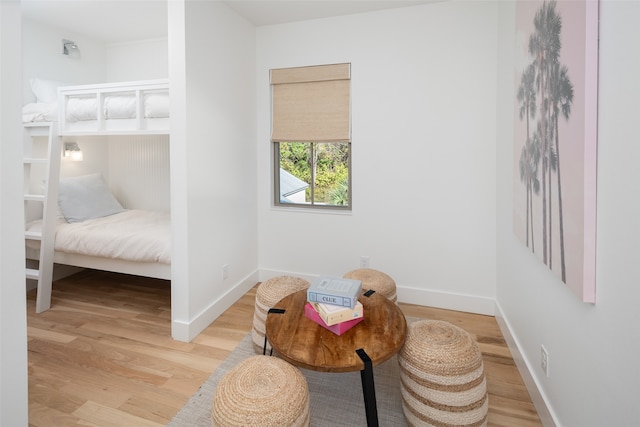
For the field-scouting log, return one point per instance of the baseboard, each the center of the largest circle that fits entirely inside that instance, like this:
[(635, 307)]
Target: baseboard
[(187, 331), (268, 274), (447, 300), (437, 299), (524, 367)]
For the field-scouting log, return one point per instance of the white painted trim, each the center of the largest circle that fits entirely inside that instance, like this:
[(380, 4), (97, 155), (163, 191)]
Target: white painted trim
[(187, 330), (430, 298), (268, 274), (180, 330), (539, 399), (447, 300)]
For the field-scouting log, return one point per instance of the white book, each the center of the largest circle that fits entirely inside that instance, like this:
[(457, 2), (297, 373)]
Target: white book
[(335, 290), (333, 314)]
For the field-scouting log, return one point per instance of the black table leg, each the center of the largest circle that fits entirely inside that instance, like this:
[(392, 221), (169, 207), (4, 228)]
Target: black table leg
[(264, 348), (368, 389)]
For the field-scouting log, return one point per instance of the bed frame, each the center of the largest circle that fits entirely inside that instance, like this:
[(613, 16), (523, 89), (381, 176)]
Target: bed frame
[(145, 269), (138, 125)]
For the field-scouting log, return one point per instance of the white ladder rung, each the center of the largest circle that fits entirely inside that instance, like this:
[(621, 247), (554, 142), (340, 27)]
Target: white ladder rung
[(33, 235), (33, 273), (36, 125), (38, 129), (34, 160), (34, 197)]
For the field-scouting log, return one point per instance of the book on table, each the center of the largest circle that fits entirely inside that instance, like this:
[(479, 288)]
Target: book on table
[(338, 328), (335, 290), (332, 314)]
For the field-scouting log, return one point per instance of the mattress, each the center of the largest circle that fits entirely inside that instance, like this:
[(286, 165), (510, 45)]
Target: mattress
[(133, 235)]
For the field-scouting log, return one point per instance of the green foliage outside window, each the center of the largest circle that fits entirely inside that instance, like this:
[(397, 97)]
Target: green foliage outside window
[(329, 162)]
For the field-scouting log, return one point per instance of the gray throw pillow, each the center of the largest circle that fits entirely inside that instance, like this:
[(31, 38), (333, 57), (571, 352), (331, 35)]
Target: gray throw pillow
[(86, 197)]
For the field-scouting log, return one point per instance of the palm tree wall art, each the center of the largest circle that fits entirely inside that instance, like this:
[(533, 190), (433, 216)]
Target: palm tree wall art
[(555, 139)]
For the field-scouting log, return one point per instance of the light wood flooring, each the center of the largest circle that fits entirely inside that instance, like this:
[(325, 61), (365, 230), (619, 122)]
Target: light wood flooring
[(103, 354)]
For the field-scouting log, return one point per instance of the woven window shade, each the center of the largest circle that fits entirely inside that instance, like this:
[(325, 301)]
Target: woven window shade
[(311, 103)]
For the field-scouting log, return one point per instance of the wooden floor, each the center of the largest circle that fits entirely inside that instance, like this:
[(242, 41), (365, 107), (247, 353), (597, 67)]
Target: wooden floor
[(103, 355)]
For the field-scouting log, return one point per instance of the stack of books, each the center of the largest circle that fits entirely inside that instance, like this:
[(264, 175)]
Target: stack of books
[(332, 302)]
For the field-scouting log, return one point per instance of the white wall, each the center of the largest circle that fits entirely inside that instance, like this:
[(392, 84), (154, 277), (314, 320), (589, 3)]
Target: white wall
[(137, 60), (43, 58), (423, 116), (139, 171), (593, 349), (13, 322), (213, 161), (139, 167)]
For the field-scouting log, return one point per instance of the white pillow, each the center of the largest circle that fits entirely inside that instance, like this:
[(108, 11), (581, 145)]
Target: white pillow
[(86, 197), (45, 91)]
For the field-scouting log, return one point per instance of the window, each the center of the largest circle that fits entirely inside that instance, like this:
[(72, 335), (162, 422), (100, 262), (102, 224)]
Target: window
[(313, 174), (311, 136)]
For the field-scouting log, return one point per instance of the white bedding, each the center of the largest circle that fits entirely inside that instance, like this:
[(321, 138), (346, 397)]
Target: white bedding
[(84, 108), (40, 112), (133, 235), (81, 108)]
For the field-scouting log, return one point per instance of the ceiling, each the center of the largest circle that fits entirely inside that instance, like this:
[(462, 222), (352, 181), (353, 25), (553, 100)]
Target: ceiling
[(103, 20), (269, 12), (114, 21)]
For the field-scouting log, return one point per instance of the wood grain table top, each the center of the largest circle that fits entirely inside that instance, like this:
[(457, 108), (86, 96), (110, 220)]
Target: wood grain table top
[(304, 343)]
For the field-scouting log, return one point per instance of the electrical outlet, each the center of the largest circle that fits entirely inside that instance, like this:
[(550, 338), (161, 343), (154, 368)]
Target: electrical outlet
[(544, 360), (364, 261), (225, 272)]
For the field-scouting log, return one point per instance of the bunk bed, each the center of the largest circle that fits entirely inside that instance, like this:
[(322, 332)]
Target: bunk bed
[(92, 230), (129, 108)]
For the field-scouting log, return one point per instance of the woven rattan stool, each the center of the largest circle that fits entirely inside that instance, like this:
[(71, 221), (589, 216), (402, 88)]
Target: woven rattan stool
[(268, 294), (442, 376), (261, 391), (376, 280)]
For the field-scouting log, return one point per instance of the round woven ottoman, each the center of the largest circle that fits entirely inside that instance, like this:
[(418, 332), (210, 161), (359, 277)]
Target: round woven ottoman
[(376, 280), (261, 391), (268, 294), (442, 376)]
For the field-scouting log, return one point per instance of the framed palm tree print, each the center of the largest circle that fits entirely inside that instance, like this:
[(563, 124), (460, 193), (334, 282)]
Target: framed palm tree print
[(555, 140)]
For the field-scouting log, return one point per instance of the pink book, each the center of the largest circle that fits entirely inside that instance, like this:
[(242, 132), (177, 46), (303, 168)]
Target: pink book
[(338, 328)]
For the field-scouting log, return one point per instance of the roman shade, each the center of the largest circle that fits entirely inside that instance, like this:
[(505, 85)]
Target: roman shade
[(311, 103)]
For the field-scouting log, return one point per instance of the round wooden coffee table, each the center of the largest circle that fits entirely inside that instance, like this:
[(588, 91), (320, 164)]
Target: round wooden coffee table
[(302, 342)]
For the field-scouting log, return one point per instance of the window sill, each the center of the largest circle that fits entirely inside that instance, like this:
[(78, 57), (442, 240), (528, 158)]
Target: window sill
[(310, 210)]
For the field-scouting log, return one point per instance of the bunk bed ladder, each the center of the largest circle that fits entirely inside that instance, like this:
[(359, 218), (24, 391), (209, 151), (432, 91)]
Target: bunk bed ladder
[(43, 194)]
